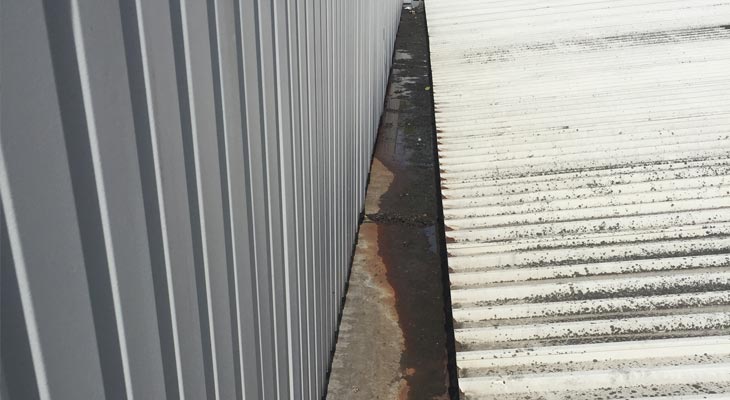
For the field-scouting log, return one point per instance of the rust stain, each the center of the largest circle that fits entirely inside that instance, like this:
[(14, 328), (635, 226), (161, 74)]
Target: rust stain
[(376, 268), (396, 253), (413, 271), (367, 362)]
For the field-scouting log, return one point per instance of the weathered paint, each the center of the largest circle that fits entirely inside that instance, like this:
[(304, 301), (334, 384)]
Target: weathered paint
[(584, 150)]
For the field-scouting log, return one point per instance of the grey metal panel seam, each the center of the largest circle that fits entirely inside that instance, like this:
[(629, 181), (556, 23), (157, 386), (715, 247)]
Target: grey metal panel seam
[(181, 183)]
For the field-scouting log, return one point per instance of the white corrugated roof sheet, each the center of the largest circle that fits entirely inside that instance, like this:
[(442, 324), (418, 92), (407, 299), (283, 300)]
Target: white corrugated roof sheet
[(585, 163)]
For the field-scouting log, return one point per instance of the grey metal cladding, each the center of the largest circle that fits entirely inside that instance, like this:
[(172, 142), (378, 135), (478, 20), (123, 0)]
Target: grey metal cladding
[(181, 185)]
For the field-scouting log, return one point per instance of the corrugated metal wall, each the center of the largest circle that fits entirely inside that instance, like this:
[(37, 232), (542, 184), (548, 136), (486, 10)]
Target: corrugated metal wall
[(181, 184)]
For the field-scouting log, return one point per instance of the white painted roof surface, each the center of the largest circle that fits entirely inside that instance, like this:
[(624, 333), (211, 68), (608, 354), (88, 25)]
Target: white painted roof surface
[(585, 161)]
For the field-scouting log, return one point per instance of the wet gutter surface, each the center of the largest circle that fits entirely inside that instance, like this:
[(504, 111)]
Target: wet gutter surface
[(393, 337)]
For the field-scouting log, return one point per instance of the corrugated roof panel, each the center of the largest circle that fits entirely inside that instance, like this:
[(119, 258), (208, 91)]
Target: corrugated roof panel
[(585, 162)]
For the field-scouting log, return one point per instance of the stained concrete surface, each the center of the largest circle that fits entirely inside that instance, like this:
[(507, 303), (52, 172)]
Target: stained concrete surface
[(392, 340)]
